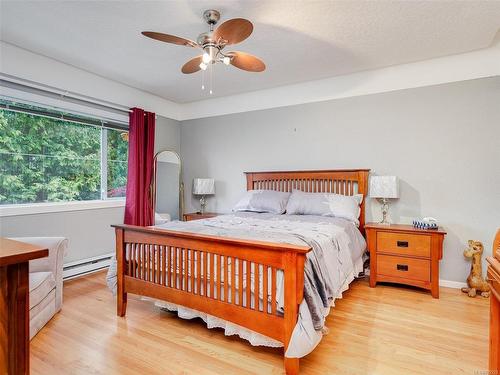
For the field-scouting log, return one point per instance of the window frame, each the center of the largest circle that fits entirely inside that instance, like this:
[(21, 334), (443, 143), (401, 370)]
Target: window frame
[(50, 207), (31, 208)]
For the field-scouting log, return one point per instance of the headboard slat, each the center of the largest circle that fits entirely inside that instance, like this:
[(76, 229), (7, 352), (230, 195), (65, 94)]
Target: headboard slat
[(341, 181)]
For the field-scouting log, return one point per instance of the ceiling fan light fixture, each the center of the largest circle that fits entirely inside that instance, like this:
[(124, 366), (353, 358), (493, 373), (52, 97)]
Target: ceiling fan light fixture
[(203, 66), (226, 60), (206, 58)]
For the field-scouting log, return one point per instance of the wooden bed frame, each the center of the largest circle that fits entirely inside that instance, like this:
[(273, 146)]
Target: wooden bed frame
[(146, 257)]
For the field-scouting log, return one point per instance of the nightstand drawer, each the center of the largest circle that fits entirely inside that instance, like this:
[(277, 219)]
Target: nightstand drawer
[(406, 268), (404, 244)]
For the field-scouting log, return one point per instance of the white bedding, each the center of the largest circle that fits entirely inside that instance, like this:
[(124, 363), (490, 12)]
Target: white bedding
[(340, 240)]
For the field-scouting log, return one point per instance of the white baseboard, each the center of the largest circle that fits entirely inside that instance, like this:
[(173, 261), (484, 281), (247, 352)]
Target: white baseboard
[(86, 266), (452, 284)]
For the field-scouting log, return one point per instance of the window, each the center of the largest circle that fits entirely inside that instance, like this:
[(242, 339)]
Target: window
[(117, 152), (48, 156)]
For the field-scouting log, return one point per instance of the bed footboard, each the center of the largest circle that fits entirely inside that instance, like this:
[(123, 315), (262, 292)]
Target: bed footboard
[(232, 279)]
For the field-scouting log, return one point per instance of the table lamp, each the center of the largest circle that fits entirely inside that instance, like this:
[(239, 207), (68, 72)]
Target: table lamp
[(203, 187), (384, 188)]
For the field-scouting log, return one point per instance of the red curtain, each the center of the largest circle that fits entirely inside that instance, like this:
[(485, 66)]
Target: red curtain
[(138, 210)]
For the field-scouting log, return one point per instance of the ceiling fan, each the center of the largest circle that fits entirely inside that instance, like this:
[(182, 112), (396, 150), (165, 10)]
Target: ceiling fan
[(213, 42)]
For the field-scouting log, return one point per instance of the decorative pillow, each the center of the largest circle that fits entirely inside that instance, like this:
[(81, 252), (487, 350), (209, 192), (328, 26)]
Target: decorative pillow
[(263, 201), (325, 204)]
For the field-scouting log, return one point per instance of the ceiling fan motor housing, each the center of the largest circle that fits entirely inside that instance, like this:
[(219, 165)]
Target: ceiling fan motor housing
[(204, 38)]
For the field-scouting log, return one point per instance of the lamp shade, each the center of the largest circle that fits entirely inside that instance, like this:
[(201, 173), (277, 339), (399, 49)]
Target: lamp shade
[(384, 187), (203, 186)]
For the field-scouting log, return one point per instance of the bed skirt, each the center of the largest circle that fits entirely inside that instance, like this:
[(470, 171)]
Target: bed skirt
[(254, 338)]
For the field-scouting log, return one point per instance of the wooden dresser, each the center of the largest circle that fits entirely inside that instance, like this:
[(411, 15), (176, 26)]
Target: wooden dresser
[(405, 255), (493, 278), (198, 215)]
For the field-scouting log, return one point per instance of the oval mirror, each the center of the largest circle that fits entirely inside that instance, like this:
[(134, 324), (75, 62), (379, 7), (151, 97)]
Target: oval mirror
[(167, 187)]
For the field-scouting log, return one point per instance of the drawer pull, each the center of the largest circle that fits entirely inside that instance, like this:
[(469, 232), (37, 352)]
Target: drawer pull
[(402, 243), (402, 267)]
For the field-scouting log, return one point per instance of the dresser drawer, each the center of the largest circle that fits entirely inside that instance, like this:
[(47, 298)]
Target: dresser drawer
[(404, 244), (406, 268)]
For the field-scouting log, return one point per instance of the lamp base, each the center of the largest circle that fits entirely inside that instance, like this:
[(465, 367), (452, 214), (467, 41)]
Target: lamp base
[(202, 204), (385, 210)]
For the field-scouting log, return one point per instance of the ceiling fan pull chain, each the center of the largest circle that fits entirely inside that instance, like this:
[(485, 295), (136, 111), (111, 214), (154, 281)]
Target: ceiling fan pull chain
[(211, 77)]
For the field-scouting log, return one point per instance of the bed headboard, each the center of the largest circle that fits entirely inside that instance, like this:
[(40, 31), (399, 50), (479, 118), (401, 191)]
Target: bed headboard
[(340, 181)]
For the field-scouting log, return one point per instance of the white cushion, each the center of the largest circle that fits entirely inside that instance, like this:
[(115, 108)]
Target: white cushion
[(40, 314), (40, 284), (263, 201), (325, 204)]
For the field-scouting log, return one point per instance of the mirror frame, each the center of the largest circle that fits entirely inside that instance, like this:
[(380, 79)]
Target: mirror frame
[(181, 184)]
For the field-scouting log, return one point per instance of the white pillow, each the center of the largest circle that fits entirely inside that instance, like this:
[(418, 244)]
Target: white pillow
[(325, 204), (263, 201), (161, 218)]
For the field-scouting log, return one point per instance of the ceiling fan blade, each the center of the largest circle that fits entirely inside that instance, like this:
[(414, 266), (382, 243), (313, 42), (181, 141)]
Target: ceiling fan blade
[(169, 39), (246, 61), (192, 65), (233, 31)]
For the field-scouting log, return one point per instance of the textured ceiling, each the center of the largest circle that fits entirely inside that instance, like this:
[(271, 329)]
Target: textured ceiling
[(299, 40)]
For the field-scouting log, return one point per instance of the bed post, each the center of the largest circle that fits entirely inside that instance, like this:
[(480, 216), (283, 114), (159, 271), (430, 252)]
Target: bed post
[(294, 288), (249, 180), (121, 300), (363, 189)]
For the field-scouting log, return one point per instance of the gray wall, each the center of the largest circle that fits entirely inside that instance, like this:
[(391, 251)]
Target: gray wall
[(167, 135), (89, 231), (442, 141)]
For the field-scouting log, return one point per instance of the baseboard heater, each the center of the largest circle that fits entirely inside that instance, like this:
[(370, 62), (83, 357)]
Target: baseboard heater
[(86, 266)]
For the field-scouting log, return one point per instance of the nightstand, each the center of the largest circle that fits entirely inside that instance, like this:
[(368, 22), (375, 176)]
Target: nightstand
[(198, 215), (405, 255)]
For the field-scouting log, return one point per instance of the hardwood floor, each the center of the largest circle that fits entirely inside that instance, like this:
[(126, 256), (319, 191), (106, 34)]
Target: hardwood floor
[(386, 330)]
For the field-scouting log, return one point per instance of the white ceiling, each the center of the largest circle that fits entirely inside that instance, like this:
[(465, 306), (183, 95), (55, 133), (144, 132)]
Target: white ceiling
[(299, 40)]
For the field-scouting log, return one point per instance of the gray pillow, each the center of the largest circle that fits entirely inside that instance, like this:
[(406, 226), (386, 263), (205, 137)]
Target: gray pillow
[(263, 201), (325, 204)]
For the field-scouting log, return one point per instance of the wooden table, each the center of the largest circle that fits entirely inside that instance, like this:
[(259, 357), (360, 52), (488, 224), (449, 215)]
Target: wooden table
[(14, 304)]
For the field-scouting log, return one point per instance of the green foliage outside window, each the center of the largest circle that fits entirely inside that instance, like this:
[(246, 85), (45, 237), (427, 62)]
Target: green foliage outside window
[(117, 163), (49, 160)]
